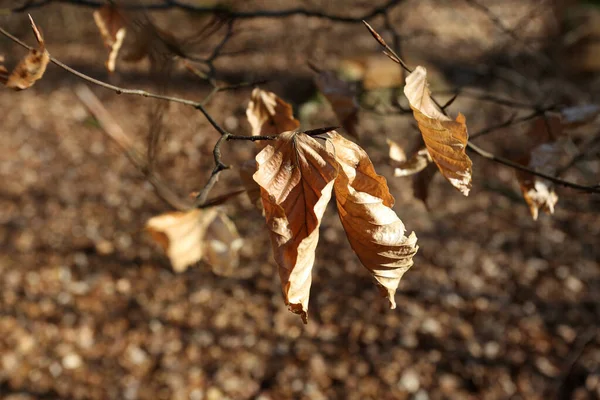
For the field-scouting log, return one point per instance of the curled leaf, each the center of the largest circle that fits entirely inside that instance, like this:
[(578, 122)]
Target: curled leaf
[(406, 167), (112, 28), (31, 68), (342, 97), (269, 115), (374, 231), (199, 234), (181, 235), (446, 140), (296, 175)]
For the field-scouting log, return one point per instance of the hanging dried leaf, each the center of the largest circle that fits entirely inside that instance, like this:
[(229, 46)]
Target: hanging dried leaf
[(269, 115), (547, 148), (182, 235), (538, 192), (296, 175), (406, 167), (32, 67), (222, 244), (445, 139), (342, 97), (374, 231), (112, 28)]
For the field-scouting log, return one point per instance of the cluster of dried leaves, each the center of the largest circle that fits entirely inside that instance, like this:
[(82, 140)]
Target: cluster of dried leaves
[(295, 173)]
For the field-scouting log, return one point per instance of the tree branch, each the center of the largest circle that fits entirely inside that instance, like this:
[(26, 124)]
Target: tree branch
[(501, 160), (116, 133), (224, 10)]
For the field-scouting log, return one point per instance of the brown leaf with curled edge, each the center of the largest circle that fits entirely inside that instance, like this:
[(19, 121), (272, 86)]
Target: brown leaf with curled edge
[(269, 115), (446, 140), (404, 166), (374, 231), (111, 25), (32, 67), (181, 234), (342, 97), (296, 175)]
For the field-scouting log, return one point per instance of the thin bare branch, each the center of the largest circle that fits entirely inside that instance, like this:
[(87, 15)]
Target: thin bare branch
[(226, 11), (501, 160), (511, 121), (114, 131)]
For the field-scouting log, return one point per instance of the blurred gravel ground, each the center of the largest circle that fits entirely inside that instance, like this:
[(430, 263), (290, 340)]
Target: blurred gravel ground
[(497, 306)]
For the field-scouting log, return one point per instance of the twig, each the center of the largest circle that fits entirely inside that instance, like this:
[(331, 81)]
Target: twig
[(220, 9), (511, 121), (388, 50), (488, 97), (583, 340), (501, 160), (126, 144), (114, 131)]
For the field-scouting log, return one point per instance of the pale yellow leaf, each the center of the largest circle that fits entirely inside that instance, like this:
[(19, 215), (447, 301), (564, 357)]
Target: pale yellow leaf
[(269, 115), (182, 235), (296, 175), (374, 231), (404, 166), (112, 28), (31, 68), (446, 140), (342, 97)]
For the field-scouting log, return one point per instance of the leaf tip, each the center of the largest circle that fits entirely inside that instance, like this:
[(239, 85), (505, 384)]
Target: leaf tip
[(300, 310)]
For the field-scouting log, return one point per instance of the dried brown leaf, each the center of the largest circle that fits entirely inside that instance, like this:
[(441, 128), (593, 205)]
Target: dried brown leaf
[(32, 67), (182, 235), (374, 231), (269, 115), (404, 166), (446, 140), (296, 175), (111, 25), (342, 97), (547, 148)]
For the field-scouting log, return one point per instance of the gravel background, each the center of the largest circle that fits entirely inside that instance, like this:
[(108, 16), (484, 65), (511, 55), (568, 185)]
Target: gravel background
[(497, 306)]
